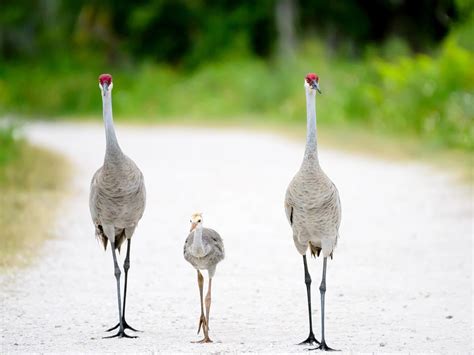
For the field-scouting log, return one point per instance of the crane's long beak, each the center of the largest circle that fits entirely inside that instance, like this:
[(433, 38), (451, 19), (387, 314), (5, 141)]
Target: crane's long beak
[(105, 87), (193, 225), (315, 86)]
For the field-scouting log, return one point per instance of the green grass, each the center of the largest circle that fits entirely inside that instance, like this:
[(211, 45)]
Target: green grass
[(430, 98), (8, 145), (32, 184)]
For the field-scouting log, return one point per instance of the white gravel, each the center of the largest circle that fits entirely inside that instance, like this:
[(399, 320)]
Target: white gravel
[(401, 279)]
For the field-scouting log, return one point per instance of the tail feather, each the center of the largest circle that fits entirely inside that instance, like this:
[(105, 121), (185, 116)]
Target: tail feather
[(119, 239), (100, 235), (315, 251)]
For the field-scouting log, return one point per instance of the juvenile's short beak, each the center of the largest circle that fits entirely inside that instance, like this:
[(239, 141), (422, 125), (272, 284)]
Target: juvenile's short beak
[(193, 225), (315, 86)]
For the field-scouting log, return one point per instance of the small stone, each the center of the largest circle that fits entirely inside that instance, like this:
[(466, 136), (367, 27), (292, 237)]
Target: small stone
[(449, 317), (382, 345)]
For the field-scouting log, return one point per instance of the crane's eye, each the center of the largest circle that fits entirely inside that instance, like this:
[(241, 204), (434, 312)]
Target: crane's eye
[(190, 221), (199, 221)]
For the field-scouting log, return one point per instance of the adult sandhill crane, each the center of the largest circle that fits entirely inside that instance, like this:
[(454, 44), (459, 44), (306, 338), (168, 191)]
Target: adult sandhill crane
[(116, 200), (313, 208), (203, 249)]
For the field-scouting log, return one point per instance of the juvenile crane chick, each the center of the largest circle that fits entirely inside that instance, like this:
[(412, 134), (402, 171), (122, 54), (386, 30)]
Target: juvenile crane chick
[(203, 249)]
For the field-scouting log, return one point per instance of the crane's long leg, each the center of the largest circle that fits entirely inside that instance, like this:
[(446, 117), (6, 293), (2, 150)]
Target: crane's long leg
[(202, 318), (322, 290), (307, 280), (121, 332), (126, 266), (208, 309)]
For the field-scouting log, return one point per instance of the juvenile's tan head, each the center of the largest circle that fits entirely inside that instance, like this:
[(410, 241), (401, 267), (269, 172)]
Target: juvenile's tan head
[(196, 219)]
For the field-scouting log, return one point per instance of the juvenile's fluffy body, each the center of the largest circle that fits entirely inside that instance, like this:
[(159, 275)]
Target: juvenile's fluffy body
[(213, 251)]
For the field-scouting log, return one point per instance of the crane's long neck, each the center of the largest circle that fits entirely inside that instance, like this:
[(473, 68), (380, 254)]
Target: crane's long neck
[(112, 147), (311, 151), (198, 245)]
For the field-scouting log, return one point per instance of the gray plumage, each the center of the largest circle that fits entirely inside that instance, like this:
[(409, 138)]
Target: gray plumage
[(313, 209), (212, 253), (312, 202), (117, 192), (117, 198)]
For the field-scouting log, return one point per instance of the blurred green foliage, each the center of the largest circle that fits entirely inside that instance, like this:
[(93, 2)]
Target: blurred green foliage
[(426, 96), (8, 145), (430, 97), (192, 32), (378, 62)]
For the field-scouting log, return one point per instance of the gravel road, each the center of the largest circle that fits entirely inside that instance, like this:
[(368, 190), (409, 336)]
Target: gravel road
[(401, 278)]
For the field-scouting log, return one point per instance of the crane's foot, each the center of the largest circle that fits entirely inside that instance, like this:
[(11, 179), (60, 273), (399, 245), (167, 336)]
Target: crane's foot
[(323, 346), (125, 326), (311, 340), (203, 341), (202, 323), (120, 334)]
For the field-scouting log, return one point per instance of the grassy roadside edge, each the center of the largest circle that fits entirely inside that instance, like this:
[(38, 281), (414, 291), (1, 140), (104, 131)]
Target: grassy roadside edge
[(32, 188)]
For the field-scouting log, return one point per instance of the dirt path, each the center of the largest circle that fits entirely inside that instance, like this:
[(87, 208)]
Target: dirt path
[(401, 279)]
